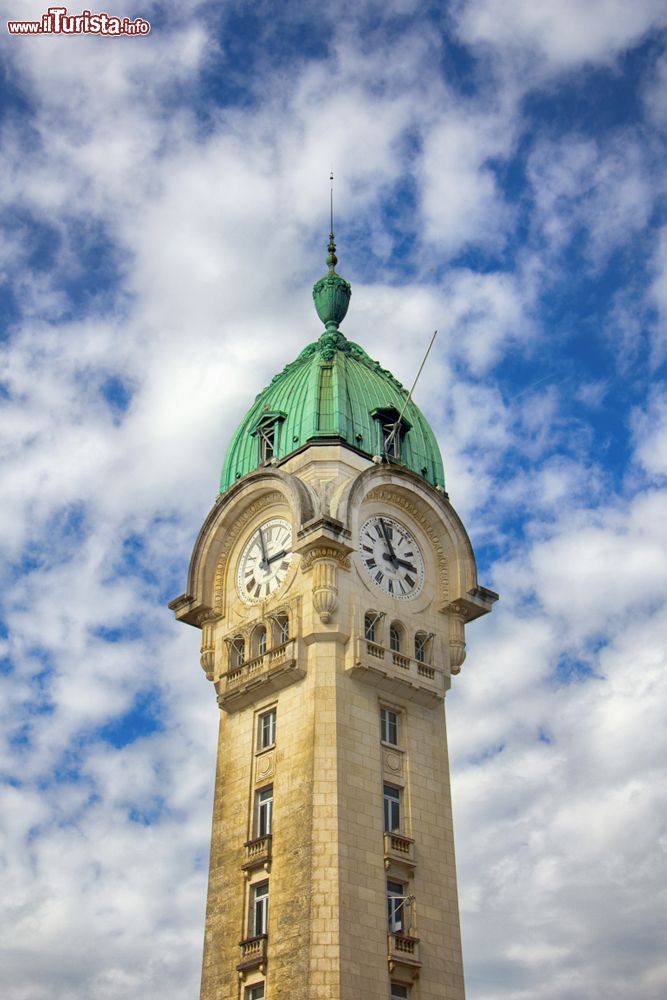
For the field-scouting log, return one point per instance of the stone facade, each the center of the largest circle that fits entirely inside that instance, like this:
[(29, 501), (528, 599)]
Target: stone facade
[(324, 677)]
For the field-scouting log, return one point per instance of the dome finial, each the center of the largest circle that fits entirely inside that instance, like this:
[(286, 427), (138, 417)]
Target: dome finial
[(332, 293), (332, 260)]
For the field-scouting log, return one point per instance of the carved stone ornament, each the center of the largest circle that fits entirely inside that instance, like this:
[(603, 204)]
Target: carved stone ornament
[(264, 767), (329, 552), (387, 495), (258, 506), (207, 621), (457, 642), (393, 762), (207, 660), (325, 591)]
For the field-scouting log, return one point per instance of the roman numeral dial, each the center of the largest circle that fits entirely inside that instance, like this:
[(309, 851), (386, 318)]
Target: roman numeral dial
[(391, 557), (264, 561)]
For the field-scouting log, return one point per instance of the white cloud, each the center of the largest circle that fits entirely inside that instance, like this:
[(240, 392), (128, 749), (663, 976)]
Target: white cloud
[(461, 201), (559, 34), (650, 435), (579, 185), (655, 93)]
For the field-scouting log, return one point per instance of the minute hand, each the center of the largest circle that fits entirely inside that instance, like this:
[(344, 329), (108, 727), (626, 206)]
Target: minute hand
[(391, 555), (265, 560)]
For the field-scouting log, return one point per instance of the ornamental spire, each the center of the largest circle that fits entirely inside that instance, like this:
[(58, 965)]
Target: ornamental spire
[(331, 293), (332, 260)]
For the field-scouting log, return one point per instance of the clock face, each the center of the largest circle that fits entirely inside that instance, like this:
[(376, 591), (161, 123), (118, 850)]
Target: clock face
[(264, 561), (391, 557)]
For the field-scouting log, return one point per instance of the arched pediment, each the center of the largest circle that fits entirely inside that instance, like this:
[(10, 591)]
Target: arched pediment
[(428, 508), (260, 491)]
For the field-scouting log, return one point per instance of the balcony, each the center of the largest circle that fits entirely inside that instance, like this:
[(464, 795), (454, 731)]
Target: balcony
[(257, 854), (253, 953), (403, 950), (265, 674), (396, 673), (399, 852)]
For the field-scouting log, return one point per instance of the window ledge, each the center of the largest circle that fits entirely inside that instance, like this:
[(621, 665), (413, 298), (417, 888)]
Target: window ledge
[(392, 746)]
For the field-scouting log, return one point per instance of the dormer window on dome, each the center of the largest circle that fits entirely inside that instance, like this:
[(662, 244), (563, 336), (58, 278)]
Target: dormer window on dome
[(267, 430), (390, 432)]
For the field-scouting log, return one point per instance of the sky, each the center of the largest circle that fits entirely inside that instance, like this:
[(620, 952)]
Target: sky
[(500, 176)]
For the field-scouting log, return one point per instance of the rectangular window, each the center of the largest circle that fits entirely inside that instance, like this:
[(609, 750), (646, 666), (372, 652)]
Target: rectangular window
[(266, 735), (392, 809), (264, 812), (259, 912), (389, 726), (399, 992), (255, 992), (395, 907)]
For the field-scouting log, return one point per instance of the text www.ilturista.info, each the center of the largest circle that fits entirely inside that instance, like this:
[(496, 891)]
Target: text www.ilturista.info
[(57, 21)]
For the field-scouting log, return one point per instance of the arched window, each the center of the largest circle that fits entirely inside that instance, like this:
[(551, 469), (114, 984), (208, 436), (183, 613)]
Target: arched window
[(280, 629), (237, 651), (259, 641), (371, 619), (422, 642), (395, 637)]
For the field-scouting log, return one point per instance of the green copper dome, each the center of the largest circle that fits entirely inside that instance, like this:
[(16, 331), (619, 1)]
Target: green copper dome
[(333, 392)]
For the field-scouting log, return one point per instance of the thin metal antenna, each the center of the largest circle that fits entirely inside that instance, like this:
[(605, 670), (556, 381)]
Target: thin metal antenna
[(409, 397), (331, 194)]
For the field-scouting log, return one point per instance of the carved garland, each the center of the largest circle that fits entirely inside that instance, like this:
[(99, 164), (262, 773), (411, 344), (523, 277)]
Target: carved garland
[(262, 503), (382, 493)]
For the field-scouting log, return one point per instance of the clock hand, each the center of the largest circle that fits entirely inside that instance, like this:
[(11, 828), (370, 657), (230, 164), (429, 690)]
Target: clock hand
[(392, 555), (264, 560), (400, 562), (278, 555)]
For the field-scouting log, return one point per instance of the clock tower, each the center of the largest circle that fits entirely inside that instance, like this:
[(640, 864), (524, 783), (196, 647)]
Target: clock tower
[(332, 582)]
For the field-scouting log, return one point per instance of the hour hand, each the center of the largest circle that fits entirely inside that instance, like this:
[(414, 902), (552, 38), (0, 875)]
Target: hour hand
[(277, 555), (400, 562)]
